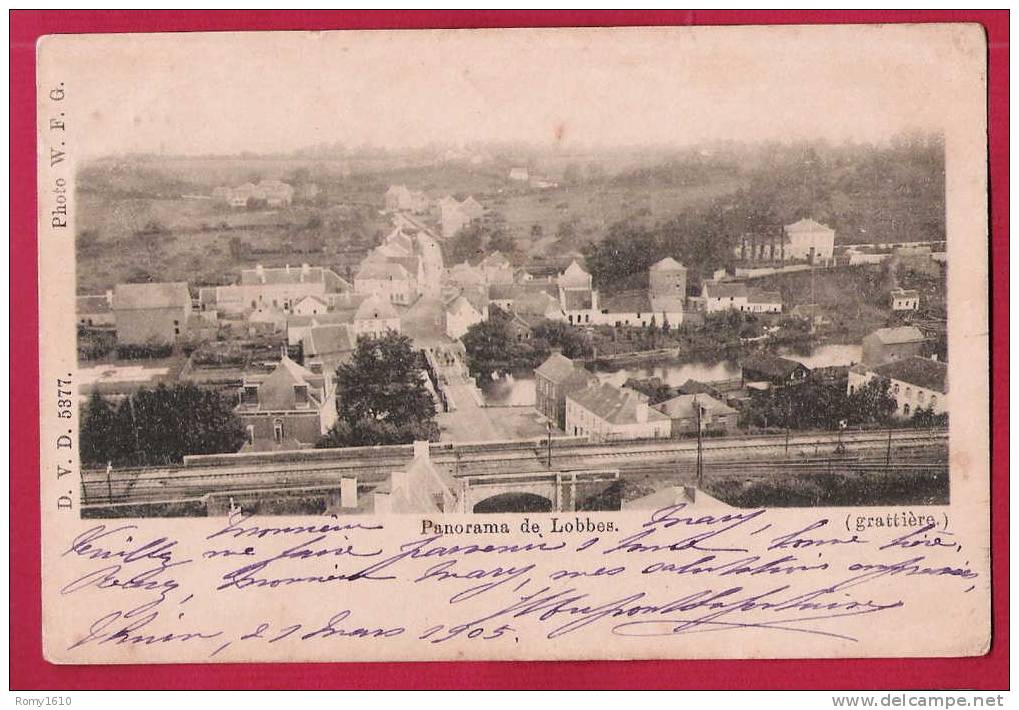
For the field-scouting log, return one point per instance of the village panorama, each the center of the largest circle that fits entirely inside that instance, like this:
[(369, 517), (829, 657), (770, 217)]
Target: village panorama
[(491, 328)]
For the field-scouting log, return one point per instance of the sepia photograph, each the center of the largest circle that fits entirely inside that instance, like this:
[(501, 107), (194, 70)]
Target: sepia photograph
[(400, 288)]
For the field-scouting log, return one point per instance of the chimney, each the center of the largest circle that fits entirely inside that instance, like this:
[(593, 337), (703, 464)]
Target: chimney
[(397, 481), (288, 268), (422, 451), (109, 297), (260, 272), (642, 407), (383, 504)]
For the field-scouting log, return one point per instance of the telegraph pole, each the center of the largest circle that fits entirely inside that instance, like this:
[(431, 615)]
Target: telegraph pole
[(700, 452), (888, 451), (548, 429)]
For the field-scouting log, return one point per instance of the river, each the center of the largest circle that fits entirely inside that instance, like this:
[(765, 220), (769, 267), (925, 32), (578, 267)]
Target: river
[(518, 390)]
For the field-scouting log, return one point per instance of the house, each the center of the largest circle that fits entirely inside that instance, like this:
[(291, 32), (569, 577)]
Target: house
[(721, 296), (773, 370), (326, 346), (807, 240), (309, 306), (272, 193), (288, 409), (576, 294), (266, 320), (519, 327), (667, 286), (904, 299), (275, 193), (95, 311), (810, 312), (604, 412), (464, 274), (460, 314), (450, 216), (496, 269), (472, 208), (538, 303), (695, 387), (420, 488), (386, 280), (150, 313), (629, 308), (368, 315), (399, 198), (916, 383), (714, 416), (278, 287), (759, 301), (519, 174), (890, 344), (553, 380), (417, 252), (505, 295)]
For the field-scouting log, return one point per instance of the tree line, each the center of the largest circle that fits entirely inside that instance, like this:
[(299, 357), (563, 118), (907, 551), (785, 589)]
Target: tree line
[(158, 427), (867, 193)]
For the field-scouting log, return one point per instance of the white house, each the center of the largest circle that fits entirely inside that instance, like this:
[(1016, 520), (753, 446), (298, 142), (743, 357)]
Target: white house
[(603, 412), (460, 314), (721, 296), (577, 296), (916, 383), (519, 174), (905, 299), (386, 280), (309, 306), (808, 240)]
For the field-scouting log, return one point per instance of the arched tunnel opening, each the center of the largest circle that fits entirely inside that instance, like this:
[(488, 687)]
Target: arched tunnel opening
[(514, 503)]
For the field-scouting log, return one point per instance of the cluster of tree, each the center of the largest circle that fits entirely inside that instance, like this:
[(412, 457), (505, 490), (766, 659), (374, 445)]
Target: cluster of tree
[(493, 348), (381, 397), (653, 387), (817, 404), (480, 237), (866, 193), (158, 427)]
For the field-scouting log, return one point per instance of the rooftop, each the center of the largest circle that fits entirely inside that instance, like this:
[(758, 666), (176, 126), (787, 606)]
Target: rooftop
[(725, 289), (559, 368), (773, 365), (918, 371), (667, 264), (614, 404), (682, 407), (806, 225), (151, 295), (93, 304), (758, 296), (627, 302), (382, 270), (324, 339), (897, 336)]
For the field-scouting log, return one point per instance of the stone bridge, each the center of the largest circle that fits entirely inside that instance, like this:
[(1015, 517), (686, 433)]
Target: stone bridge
[(542, 491)]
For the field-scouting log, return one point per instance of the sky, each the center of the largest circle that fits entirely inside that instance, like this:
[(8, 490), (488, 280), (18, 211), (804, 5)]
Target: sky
[(225, 93)]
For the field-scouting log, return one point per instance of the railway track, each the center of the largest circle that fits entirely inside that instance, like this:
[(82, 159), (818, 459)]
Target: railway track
[(655, 457)]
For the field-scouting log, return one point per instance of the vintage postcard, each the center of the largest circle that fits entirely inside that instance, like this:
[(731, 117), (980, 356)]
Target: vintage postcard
[(606, 343)]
